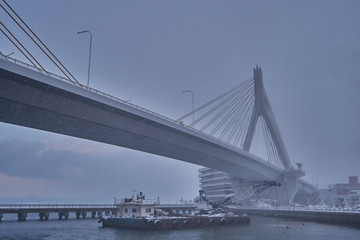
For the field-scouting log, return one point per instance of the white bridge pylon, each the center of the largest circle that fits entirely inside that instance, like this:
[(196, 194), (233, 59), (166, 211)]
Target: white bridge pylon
[(234, 116)]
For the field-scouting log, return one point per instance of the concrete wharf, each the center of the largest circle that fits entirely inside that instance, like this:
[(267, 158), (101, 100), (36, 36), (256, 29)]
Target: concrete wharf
[(318, 215)]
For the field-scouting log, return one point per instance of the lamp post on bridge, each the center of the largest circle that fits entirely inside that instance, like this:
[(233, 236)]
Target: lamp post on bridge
[(87, 31), (192, 95)]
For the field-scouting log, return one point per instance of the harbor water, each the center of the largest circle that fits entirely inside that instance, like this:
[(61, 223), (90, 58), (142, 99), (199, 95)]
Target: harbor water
[(259, 228)]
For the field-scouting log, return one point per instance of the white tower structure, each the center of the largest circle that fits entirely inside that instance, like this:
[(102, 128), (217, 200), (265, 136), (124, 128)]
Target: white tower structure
[(216, 184), (262, 108)]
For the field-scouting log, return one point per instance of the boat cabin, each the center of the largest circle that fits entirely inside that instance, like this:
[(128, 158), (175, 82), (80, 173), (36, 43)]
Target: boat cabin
[(139, 207)]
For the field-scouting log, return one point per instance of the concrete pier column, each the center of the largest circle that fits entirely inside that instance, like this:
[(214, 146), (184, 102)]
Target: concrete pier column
[(291, 185), (61, 214), (78, 215), (44, 216), (1, 215), (84, 213), (66, 215), (100, 214), (93, 214), (22, 216)]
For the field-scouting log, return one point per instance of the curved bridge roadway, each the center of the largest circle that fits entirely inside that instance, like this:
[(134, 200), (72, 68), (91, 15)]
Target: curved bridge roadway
[(31, 99)]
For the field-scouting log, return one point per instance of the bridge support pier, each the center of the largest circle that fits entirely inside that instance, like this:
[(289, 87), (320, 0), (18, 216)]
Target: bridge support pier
[(100, 214), (1, 215), (78, 215), (44, 215), (22, 216), (84, 213), (61, 214), (66, 215), (93, 214), (291, 182)]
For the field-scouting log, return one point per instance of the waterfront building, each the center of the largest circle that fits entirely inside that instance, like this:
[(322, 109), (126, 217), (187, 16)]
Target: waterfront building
[(346, 194), (215, 184)]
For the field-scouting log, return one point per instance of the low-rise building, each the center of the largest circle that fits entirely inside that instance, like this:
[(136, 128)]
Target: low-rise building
[(346, 194), (215, 184)]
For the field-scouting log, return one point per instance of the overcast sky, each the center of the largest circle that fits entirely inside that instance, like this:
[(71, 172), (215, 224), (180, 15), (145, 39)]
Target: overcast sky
[(148, 51)]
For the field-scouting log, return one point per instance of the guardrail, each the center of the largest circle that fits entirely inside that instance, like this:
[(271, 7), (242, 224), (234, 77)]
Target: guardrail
[(10, 59), (170, 205), (54, 206), (304, 209), (79, 206)]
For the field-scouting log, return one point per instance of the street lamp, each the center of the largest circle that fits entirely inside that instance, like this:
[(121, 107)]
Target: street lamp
[(87, 31), (192, 94)]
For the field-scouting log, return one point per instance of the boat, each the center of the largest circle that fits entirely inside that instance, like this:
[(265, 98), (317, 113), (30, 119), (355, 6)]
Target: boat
[(139, 213)]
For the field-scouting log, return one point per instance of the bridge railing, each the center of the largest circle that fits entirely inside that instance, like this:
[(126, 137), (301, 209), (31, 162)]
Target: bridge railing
[(184, 205), (53, 206), (13, 60), (302, 209), (21, 63)]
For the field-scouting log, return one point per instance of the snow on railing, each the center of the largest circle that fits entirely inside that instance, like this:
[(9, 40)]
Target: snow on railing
[(302, 209), (10, 59), (53, 206)]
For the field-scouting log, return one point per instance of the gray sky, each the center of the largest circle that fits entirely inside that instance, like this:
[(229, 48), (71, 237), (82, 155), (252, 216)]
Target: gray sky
[(148, 51)]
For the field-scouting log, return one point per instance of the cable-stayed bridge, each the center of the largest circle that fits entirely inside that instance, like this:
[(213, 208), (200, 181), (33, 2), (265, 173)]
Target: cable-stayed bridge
[(33, 99), (222, 136)]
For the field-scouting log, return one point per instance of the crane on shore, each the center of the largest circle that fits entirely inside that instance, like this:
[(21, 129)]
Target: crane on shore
[(237, 198)]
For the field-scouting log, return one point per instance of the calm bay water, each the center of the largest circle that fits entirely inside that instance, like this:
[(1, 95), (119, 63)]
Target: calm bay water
[(260, 228)]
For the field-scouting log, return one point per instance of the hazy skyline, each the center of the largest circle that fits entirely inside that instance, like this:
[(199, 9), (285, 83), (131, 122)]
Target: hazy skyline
[(148, 51)]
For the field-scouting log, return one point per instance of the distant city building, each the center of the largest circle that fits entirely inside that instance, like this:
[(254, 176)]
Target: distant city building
[(346, 194)]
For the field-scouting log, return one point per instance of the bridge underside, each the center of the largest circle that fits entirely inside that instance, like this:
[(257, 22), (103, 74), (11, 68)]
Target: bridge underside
[(31, 99)]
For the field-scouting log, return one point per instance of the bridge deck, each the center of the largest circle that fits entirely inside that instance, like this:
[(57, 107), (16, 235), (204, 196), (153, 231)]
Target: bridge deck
[(35, 100)]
